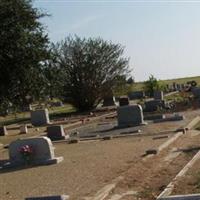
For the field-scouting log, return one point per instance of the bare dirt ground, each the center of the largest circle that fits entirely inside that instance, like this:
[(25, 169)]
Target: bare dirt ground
[(150, 177), (190, 182), (88, 166)]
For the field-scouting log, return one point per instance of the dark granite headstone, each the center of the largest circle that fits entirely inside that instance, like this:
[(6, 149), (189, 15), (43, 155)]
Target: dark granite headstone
[(136, 95), (56, 132), (153, 105), (109, 101), (124, 101)]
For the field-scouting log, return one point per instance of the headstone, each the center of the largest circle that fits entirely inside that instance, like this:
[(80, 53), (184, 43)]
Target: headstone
[(40, 117), (174, 86), (167, 87), (130, 115), (123, 101), (178, 87), (57, 104), (60, 197), (182, 86), (158, 95), (3, 131), (30, 107), (147, 94), (196, 92), (23, 129), (41, 152), (136, 95), (109, 101), (153, 105), (56, 132)]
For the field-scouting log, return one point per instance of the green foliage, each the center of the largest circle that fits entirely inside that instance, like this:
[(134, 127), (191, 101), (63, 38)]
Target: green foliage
[(91, 68), (152, 84), (23, 52)]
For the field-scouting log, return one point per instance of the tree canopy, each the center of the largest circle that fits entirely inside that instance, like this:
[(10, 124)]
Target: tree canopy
[(152, 85), (23, 52), (91, 68)]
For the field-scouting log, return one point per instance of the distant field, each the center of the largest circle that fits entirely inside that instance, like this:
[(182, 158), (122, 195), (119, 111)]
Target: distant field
[(140, 85)]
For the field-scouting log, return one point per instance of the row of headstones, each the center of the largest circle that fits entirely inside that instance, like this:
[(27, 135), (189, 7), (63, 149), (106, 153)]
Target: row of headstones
[(176, 87), (38, 118), (40, 149), (124, 100), (181, 87), (151, 105), (142, 94), (23, 130)]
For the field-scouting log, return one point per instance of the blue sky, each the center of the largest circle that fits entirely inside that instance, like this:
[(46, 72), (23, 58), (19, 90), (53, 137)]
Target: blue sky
[(160, 37)]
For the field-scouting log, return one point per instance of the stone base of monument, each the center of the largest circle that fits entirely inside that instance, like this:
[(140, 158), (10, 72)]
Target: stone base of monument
[(154, 117), (59, 197), (40, 152), (73, 140), (130, 125), (36, 163), (182, 197), (172, 118)]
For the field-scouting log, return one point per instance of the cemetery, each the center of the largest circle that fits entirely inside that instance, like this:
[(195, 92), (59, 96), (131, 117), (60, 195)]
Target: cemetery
[(80, 119), (124, 152)]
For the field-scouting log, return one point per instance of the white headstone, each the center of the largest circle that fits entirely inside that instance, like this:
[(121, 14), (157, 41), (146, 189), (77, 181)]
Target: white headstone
[(42, 151)]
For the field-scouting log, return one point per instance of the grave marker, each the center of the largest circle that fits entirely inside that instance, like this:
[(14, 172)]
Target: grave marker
[(109, 101), (56, 132), (23, 129), (123, 101), (3, 131), (158, 95), (41, 152), (130, 115), (40, 117)]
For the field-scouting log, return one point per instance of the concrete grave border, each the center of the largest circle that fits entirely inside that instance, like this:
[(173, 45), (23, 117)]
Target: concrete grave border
[(168, 190), (182, 197)]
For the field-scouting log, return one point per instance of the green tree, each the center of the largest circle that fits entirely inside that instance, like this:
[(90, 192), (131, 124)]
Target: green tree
[(152, 84), (91, 69), (23, 52)]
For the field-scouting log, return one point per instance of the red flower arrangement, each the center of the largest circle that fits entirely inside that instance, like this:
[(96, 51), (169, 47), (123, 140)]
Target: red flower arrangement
[(26, 152)]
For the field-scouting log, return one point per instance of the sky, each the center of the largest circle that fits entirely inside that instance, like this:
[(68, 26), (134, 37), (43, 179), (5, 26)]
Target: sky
[(161, 38)]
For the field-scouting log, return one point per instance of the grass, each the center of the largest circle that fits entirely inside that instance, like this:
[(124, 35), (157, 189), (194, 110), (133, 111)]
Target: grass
[(67, 108), (196, 176), (178, 97), (140, 85), (54, 112)]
